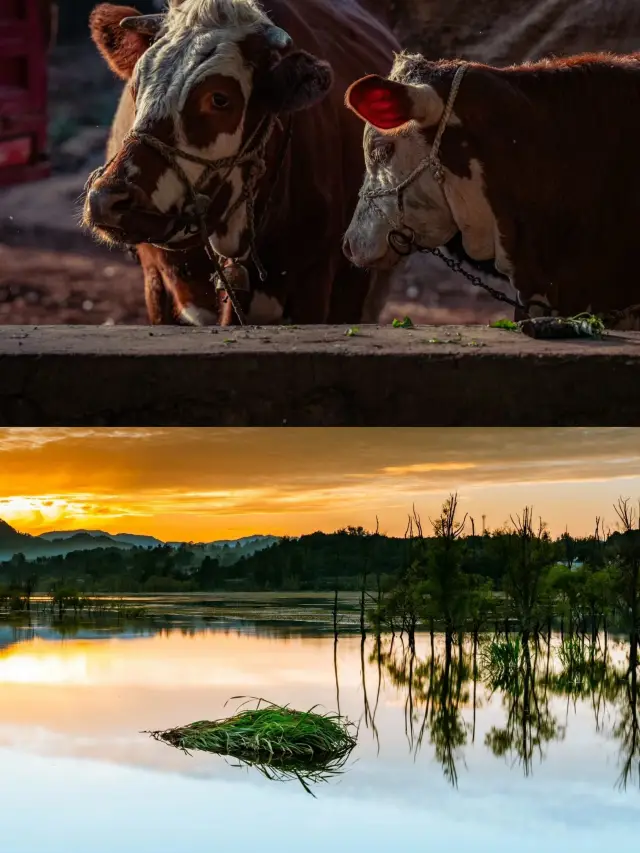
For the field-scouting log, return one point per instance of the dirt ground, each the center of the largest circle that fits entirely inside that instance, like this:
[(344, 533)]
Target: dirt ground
[(46, 287)]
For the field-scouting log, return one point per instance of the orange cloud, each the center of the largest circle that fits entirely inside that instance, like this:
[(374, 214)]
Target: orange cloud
[(203, 484)]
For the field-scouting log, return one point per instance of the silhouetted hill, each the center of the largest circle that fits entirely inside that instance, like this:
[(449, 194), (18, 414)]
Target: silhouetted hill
[(12, 542), (55, 543), (246, 540), (7, 532), (132, 539), (83, 542)]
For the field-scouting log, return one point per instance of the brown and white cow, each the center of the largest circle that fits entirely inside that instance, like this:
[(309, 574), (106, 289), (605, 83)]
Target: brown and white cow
[(534, 166), (245, 110)]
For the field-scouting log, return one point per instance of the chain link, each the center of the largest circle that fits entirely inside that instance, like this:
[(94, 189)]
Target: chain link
[(475, 280)]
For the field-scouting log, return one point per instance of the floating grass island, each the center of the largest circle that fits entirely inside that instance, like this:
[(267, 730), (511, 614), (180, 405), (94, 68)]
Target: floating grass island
[(280, 742)]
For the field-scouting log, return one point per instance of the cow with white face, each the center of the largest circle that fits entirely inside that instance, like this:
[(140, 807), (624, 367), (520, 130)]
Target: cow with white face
[(237, 142), (198, 143), (407, 198), (516, 164), (400, 194)]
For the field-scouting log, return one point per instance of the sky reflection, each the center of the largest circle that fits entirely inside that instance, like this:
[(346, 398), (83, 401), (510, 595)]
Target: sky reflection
[(71, 713)]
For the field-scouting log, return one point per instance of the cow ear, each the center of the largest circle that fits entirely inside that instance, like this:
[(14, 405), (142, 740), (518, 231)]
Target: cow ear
[(297, 82), (383, 103), (388, 105), (121, 47)]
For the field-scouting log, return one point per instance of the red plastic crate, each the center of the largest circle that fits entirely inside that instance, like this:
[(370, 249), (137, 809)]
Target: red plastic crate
[(25, 32)]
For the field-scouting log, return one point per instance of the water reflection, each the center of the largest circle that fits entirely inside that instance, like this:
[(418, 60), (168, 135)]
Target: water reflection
[(530, 723), (525, 677), (87, 690)]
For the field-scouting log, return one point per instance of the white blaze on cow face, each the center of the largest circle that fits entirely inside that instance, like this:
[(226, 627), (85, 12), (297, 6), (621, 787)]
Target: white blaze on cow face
[(389, 160), (395, 145), (173, 70), (192, 73)]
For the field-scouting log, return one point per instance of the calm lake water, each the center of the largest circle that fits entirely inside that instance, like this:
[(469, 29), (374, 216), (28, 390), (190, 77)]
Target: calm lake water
[(530, 770)]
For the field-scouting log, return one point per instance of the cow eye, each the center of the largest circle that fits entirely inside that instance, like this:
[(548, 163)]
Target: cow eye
[(219, 101)]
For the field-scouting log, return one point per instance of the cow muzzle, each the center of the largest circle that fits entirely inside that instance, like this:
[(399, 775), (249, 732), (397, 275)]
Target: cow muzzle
[(119, 212)]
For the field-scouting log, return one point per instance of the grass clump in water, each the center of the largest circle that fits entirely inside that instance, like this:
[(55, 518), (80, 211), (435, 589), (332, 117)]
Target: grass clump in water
[(278, 741), (501, 663)]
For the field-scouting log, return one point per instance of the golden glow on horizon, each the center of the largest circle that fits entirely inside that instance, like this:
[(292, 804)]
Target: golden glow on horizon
[(205, 484), (152, 661)]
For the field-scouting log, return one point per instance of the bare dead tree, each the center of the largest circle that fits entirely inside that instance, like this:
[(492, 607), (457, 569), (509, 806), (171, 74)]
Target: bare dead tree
[(626, 514), (446, 526), (378, 583), (416, 520), (523, 526)]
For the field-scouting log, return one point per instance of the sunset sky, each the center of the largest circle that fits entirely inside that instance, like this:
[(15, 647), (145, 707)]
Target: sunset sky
[(205, 484)]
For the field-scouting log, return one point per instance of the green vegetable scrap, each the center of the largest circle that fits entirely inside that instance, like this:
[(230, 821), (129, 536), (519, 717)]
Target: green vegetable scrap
[(402, 324), (505, 324)]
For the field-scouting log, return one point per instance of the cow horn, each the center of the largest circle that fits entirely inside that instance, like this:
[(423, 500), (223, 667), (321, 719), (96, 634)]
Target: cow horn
[(277, 38), (147, 24)]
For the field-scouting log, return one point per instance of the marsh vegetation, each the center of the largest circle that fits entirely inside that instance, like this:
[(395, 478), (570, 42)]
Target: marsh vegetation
[(452, 620), (449, 696)]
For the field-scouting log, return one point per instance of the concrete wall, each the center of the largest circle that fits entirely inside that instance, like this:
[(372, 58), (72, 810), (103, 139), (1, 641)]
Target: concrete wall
[(320, 376)]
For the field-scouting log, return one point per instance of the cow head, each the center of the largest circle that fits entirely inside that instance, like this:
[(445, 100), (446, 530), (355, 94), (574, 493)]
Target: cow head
[(396, 115), (206, 78)]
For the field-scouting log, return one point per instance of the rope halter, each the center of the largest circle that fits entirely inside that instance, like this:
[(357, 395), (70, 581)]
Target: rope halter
[(401, 238), (194, 215), (193, 219)]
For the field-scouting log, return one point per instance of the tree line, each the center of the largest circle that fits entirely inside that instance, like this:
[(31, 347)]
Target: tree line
[(448, 576)]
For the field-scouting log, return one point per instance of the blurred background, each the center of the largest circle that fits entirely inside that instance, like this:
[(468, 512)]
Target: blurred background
[(51, 272)]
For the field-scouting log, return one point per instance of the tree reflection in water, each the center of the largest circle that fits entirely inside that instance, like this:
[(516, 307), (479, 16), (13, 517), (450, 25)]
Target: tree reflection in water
[(529, 724), (437, 688), (528, 674), (627, 730)]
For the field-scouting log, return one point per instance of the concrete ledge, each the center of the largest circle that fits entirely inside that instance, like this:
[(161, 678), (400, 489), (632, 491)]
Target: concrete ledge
[(314, 376)]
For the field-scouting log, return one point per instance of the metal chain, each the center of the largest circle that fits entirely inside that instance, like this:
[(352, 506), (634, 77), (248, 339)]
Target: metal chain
[(476, 281)]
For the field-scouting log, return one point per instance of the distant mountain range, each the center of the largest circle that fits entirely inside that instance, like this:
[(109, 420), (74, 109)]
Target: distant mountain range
[(242, 542), (127, 538), (54, 542)]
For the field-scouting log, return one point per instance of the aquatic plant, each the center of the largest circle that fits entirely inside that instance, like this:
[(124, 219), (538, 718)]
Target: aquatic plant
[(500, 662), (304, 771), (280, 742)]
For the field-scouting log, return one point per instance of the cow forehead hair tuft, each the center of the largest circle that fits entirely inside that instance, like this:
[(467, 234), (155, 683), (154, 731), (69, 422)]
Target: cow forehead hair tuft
[(215, 13)]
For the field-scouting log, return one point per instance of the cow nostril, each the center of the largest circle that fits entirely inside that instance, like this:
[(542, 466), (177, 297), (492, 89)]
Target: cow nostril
[(106, 206), (346, 249), (121, 205)]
